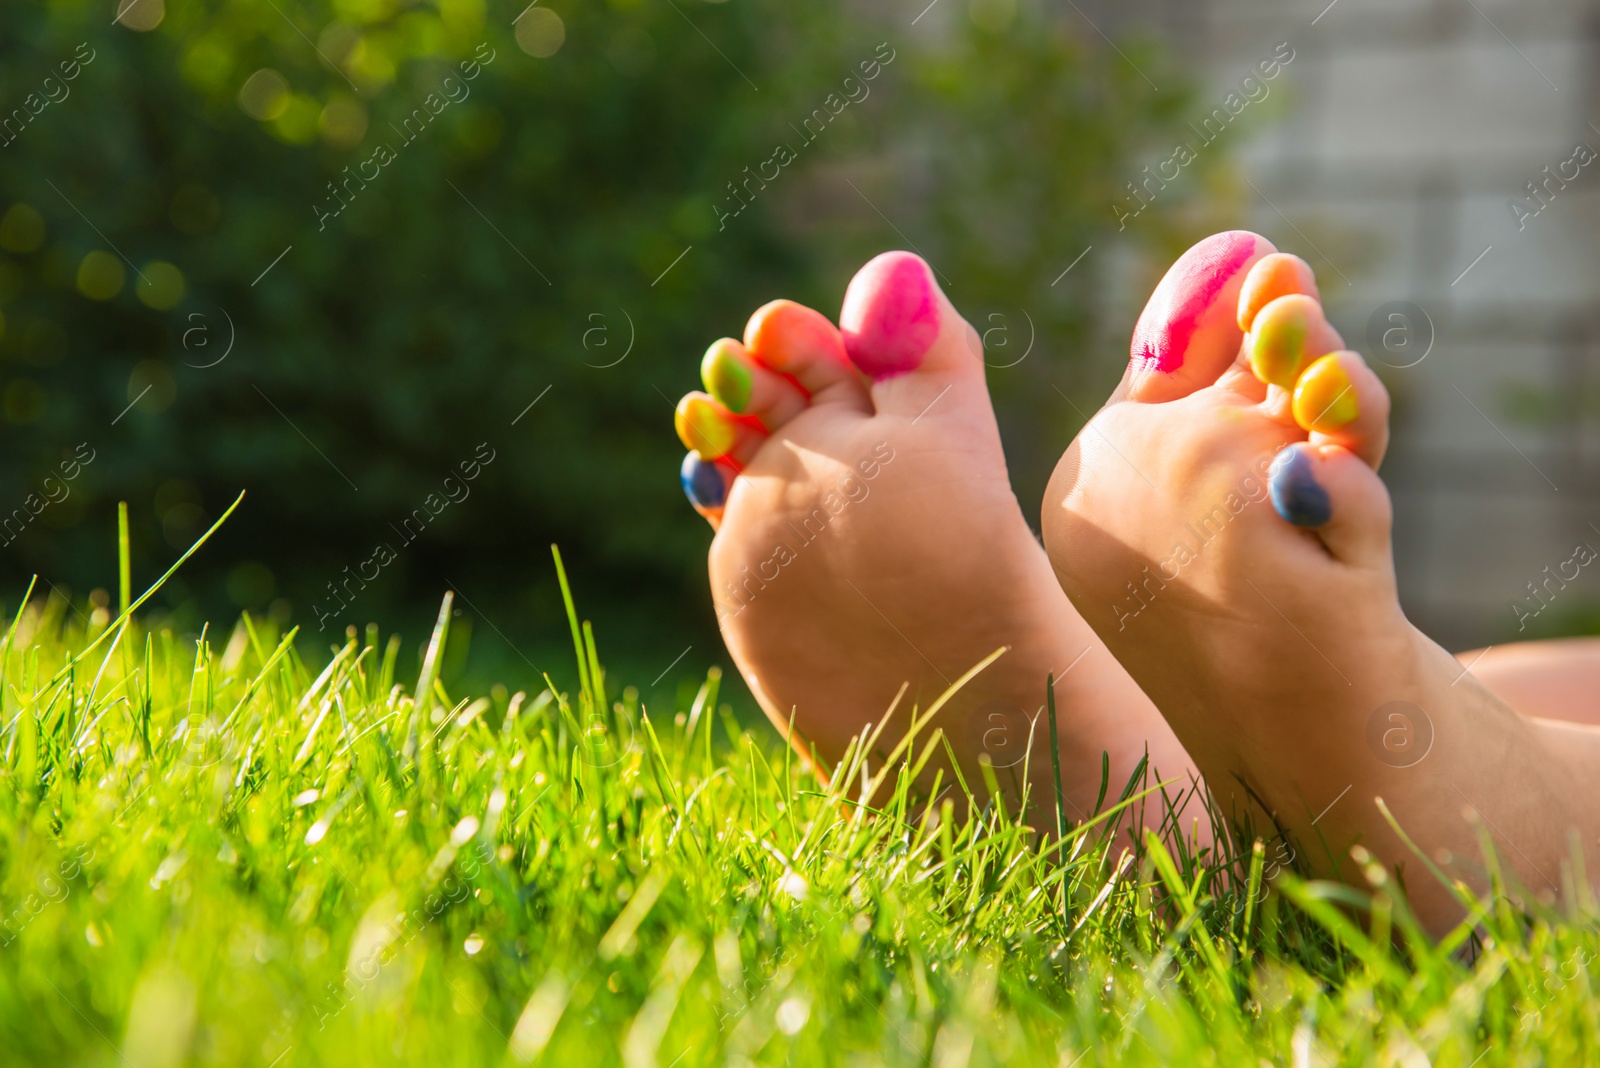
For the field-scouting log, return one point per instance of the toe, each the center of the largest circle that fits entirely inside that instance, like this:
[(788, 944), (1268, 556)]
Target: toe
[(1188, 333), (1286, 335), (713, 432), (904, 334), (800, 344), (1274, 276), (1339, 401), (1330, 490), (745, 387), (706, 485)]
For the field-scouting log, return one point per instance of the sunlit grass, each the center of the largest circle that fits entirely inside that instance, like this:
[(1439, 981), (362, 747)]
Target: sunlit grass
[(219, 851)]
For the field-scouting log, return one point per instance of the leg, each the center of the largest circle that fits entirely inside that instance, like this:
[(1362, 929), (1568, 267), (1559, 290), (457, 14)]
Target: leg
[(1556, 680)]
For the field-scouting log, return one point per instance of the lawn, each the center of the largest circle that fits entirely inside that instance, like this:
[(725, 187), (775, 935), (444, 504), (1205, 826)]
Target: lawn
[(236, 851)]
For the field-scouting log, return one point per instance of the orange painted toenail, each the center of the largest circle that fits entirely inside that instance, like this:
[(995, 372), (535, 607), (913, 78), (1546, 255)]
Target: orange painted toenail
[(1325, 398), (782, 334), (703, 426), (1278, 345), (1274, 276)]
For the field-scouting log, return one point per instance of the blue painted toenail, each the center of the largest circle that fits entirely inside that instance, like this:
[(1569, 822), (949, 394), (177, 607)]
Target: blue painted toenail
[(1295, 493), (702, 482)]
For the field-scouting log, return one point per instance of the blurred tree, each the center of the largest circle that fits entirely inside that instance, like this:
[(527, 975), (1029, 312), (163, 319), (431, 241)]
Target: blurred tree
[(331, 251)]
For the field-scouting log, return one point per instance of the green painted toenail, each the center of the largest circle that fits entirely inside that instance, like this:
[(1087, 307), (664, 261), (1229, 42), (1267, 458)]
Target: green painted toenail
[(1279, 348), (726, 374)]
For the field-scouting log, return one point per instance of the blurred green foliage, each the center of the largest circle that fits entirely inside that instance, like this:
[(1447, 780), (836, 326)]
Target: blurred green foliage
[(564, 203)]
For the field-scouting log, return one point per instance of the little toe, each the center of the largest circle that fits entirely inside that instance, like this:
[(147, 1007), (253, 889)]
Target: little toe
[(745, 387), (1188, 334), (706, 484), (1331, 491), (906, 336), (800, 344), (1340, 401)]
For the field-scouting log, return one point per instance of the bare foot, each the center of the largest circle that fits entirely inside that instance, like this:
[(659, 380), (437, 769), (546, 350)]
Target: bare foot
[(1220, 523), (867, 537)]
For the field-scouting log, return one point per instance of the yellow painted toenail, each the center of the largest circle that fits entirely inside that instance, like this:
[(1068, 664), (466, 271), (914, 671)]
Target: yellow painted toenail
[(703, 427), (1278, 347), (1325, 398)]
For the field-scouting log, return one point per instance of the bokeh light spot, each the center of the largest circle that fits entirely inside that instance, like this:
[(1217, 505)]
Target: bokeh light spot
[(150, 386), (22, 229), (540, 33), (299, 120), (141, 15), (100, 275), (264, 95), (344, 121), (178, 505), (208, 64), (160, 285), (182, 525), (371, 64), (336, 41)]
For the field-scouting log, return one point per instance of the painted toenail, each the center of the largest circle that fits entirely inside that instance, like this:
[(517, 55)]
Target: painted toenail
[(782, 335), (1278, 346), (1325, 398), (1186, 295), (702, 483), (1274, 276), (1296, 496), (703, 427), (891, 315), (726, 375)]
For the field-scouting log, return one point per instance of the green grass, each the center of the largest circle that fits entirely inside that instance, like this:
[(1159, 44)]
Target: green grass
[(219, 852)]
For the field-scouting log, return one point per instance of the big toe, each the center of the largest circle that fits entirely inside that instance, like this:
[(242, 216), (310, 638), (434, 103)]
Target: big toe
[(1189, 332), (903, 333)]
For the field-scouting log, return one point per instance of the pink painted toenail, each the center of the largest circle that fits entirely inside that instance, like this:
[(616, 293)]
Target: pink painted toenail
[(1189, 290), (890, 316)]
